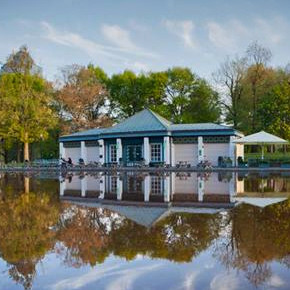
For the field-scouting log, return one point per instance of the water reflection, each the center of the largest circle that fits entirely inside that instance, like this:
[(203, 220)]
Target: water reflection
[(85, 221), (217, 189), (177, 187)]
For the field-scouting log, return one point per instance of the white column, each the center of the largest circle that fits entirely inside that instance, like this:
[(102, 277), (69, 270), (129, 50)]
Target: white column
[(167, 189), (232, 187), (200, 149), (102, 151), (200, 188), (146, 150), (102, 187), (119, 189), (62, 186), (84, 186), (166, 145), (61, 150), (146, 188), (84, 151), (232, 149), (119, 149)]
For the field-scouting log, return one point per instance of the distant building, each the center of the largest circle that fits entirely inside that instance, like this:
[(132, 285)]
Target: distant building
[(149, 138)]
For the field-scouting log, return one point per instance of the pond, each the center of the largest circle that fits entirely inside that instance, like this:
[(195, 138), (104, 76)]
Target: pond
[(129, 230)]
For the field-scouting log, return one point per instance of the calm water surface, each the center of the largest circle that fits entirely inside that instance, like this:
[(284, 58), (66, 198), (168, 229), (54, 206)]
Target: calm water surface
[(142, 231)]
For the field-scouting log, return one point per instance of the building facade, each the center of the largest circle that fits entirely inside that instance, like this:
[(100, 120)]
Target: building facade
[(147, 137)]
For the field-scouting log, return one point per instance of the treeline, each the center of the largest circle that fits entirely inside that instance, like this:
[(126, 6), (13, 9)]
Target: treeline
[(245, 92)]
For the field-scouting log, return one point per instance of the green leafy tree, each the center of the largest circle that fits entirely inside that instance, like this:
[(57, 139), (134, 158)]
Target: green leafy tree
[(274, 110), (130, 93), (25, 110)]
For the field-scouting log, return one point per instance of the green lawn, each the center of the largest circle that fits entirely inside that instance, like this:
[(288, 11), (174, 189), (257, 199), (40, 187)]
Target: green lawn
[(273, 156)]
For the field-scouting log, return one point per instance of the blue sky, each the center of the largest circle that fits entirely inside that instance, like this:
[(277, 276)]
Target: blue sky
[(143, 35)]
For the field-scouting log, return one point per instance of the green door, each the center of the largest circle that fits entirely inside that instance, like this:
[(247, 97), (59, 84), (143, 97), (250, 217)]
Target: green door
[(133, 153)]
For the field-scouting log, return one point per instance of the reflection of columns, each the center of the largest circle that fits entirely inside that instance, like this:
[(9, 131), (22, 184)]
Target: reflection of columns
[(84, 151), (119, 188), (119, 150), (84, 186), (146, 188), (61, 150), (173, 176), (200, 189), (102, 187), (200, 149), (172, 153), (166, 145), (102, 151), (232, 149), (62, 186), (167, 189), (146, 150), (232, 188)]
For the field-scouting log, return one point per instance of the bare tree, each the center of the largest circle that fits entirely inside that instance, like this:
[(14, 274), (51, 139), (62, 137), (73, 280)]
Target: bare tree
[(258, 58), (229, 78)]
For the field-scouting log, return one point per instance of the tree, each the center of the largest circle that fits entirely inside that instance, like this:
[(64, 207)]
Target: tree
[(25, 108), (230, 78), (257, 77), (25, 232), (274, 110), (82, 99), (254, 238), (20, 62), (177, 94), (187, 96), (130, 93)]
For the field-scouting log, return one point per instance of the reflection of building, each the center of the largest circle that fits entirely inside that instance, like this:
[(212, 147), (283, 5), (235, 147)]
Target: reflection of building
[(149, 138), (172, 187)]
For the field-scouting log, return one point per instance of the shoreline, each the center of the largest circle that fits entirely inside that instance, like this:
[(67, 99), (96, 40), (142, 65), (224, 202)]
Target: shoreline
[(144, 169)]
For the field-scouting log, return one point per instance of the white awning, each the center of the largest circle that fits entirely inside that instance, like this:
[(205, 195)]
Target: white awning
[(260, 138), (260, 201)]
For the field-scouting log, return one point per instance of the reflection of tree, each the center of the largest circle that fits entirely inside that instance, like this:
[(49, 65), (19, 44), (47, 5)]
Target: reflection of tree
[(177, 237), (25, 234), (84, 236), (257, 236), (90, 235)]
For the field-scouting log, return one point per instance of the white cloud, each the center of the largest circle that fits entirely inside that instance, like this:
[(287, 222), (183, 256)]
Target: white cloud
[(127, 277), (123, 41), (219, 35), (83, 280), (226, 281), (77, 41), (118, 36), (272, 31), (120, 278), (189, 280), (276, 281), (184, 30), (233, 34)]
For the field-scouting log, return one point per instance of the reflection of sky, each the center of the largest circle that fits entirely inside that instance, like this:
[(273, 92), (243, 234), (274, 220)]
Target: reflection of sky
[(204, 272)]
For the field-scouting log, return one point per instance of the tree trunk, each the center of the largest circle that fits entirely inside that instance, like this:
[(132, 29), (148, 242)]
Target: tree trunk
[(26, 151), (26, 184)]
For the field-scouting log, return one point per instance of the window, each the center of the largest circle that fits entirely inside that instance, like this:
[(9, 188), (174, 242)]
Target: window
[(113, 184), (113, 153), (155, 152), (156, 185)]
